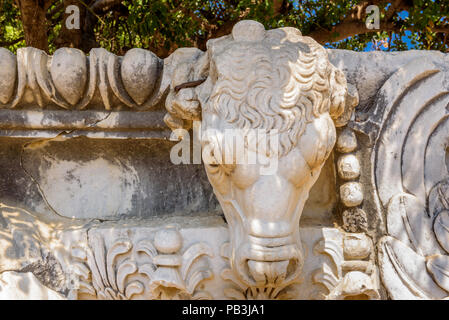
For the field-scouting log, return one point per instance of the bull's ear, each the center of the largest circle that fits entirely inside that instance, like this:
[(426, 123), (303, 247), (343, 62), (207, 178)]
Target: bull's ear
[(185, 69), (344, 98)]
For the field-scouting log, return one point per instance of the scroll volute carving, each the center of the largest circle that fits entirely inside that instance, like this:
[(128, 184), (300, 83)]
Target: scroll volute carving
[(276, 83)]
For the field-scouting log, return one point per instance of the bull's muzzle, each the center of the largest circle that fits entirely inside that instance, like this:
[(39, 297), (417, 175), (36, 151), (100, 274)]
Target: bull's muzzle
[(269, 262)]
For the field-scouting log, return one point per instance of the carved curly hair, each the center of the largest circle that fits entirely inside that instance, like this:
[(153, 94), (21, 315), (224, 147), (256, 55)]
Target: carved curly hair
[(281, 82)]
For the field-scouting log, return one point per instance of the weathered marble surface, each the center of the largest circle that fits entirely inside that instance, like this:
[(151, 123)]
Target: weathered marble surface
[(92, 207)]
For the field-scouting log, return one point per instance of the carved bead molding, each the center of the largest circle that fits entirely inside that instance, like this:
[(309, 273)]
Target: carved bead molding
[(264, 80), (143, 270), (411, 176), (352, 274)]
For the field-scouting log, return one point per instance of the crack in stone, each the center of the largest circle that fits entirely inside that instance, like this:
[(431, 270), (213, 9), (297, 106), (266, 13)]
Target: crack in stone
[(41, 143), (93, 124), (26, 145)]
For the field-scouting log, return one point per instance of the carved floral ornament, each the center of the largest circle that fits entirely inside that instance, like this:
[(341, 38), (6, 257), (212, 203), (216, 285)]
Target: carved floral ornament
[(144, 269)]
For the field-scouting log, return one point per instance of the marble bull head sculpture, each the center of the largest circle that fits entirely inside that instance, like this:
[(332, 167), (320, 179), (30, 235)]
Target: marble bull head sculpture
[(276, 82)]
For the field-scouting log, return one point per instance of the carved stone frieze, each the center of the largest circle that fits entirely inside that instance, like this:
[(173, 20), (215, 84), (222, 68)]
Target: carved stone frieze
[(143, 270), (410, 153), (337, 186)]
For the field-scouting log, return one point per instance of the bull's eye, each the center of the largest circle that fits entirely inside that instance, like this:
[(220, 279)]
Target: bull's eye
[(215, 168)]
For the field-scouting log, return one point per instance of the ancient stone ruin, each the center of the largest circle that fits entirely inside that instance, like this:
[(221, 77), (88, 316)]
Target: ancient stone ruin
[(115, 182)]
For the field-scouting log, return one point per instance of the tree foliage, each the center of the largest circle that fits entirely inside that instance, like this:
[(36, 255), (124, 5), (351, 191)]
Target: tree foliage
[(164, 25)]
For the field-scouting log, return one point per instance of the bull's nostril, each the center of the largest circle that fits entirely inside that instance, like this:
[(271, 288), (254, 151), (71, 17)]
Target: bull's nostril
[(265, 273)]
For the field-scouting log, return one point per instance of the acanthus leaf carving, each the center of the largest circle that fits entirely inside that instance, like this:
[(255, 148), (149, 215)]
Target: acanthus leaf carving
[(438, 267), (144, 270), (240, 290), (108, 276)]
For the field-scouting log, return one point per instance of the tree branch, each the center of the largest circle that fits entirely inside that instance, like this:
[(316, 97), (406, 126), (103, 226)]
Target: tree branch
[(55, 10), (102, 5), (350, 29), (11, 42), (354, 23)]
